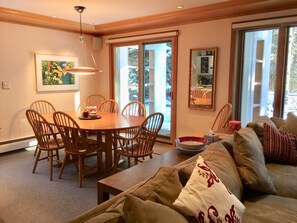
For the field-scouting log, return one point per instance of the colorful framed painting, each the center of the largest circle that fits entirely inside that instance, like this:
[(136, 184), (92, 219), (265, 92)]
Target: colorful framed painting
[(52, 75)]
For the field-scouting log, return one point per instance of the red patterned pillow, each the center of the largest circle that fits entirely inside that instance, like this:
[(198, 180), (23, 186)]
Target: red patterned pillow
[(279, 146), (206, 199)]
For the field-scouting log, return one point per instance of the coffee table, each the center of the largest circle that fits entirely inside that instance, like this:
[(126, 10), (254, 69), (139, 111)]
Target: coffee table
[(128, 178)]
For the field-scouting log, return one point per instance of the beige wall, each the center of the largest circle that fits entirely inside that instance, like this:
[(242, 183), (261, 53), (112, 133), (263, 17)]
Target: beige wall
[(19, 43)]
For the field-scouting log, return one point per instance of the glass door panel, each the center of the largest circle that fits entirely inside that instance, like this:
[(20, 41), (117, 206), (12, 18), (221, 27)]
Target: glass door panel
[(259, 71), (290, 101), (158, 82), (126, 75)]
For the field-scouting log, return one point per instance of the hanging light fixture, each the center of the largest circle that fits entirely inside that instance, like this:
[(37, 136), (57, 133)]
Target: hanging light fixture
[(86, 69)]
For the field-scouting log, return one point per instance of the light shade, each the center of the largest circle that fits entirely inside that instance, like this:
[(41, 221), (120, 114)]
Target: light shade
[(87, 63)]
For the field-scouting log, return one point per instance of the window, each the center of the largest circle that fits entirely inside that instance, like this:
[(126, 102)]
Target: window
[(265, 72), (145, 71)]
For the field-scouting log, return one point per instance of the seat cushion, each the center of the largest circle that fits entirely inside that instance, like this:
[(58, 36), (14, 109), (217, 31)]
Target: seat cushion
[(269, 208), (249, 158), (284, 178)]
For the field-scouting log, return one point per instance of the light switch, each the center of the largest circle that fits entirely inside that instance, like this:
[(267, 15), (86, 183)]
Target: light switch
[(6, 85)]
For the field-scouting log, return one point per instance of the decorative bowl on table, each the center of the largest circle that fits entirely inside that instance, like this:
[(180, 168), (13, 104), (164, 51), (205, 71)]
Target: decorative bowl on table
[(190, 144)]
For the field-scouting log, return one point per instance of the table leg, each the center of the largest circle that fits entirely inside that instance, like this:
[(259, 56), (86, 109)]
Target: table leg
[(108, 152), (102, 195)]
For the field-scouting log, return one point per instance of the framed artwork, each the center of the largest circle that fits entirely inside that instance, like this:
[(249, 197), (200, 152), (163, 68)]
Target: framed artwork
[(52, 75)]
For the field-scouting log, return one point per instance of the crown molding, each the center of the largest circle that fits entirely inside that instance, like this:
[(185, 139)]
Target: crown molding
[(222, 10)]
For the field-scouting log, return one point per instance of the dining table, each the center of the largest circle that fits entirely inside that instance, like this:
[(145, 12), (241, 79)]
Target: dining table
[(104, 124)]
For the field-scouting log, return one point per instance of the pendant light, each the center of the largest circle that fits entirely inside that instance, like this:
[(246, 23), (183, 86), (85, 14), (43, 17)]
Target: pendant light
[(83, 69)]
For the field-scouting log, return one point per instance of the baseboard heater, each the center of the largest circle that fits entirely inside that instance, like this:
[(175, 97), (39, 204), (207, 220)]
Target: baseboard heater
[(16, 144)]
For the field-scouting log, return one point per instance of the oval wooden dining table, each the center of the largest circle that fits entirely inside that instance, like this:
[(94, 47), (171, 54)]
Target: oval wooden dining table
[(107, 123)]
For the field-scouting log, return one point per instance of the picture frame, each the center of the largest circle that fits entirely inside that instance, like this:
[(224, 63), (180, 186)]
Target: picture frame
[(52, 75)]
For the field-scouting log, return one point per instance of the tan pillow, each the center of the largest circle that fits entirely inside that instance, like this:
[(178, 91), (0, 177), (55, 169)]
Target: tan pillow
[(220, 161), (137, 210), (248, 155), (278, 121), (290, 125), (264, 119), (164, 187), (257, 125)]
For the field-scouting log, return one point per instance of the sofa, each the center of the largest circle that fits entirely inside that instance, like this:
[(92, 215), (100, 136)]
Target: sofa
[(248, 182)]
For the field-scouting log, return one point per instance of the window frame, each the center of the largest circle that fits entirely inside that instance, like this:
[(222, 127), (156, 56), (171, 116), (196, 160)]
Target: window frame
[(236, 66)]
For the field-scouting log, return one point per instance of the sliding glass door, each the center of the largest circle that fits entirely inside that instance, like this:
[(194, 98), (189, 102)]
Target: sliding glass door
[(267, 80), (143, 71)]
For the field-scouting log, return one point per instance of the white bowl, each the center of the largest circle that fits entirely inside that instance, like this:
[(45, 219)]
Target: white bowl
[(93, 114), (190, 142)]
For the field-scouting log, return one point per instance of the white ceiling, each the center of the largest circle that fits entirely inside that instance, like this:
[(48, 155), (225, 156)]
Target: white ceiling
[(102, 11)]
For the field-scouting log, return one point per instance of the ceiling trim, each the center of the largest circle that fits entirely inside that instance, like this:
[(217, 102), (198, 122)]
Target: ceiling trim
[(221, 10)]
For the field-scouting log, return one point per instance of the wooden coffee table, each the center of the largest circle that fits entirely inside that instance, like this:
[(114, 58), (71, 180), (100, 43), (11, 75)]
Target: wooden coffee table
[(128, 178)]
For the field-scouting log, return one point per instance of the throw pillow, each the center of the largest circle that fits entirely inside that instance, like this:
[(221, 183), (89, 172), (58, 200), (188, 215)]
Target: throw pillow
[(290, 125), (221, 162), (137, 210), (250, 161), (257, 125), (157, 187), (206, 199), (265, 119), (279, 146)]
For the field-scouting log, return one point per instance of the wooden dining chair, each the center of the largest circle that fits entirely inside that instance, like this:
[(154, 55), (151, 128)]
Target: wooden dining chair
[(43, 107), (222, 118), (134, 108), (47, 140), (142, 143), (109, 105), (92, 100), (77, 145)]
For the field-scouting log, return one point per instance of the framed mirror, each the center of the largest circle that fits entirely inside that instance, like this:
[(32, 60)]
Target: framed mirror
[(202, 78)]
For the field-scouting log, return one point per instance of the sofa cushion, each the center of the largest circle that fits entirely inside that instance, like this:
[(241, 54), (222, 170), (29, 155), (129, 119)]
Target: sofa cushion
[(205, 197), (220, 161), (112, 214), (290, 125), (248, 155), (269, 208), (157, 187), (284, 178), (137, 210), (279, 146)]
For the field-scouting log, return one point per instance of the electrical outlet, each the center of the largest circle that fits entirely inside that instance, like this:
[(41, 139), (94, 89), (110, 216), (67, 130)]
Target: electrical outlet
[(6, 85)]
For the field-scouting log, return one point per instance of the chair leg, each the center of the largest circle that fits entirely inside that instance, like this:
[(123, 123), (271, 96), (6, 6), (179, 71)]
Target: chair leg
[(36, 160), (66, 158), (129, 164), (51, 165), (116, 163), (57, 154), (135, 161), (36, 149), (80, 170)]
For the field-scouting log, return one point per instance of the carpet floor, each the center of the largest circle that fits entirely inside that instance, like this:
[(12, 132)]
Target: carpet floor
[(27, 197)]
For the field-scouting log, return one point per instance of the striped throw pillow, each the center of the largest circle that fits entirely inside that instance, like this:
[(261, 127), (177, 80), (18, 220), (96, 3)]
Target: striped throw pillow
[(279, 146)]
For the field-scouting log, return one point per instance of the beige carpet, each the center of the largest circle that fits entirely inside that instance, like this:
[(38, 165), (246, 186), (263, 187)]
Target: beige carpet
[(27, 197)]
